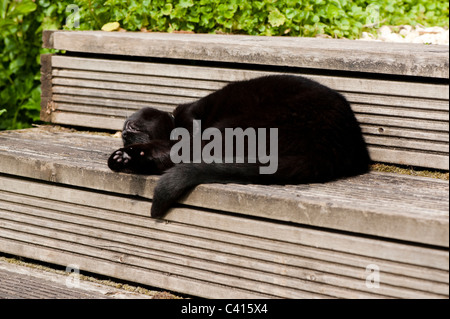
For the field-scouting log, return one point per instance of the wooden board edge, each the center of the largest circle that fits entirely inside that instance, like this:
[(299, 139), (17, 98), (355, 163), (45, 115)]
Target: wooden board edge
[(261, 51), (113, 267), (47, 104), (406, 157), (47, 39)]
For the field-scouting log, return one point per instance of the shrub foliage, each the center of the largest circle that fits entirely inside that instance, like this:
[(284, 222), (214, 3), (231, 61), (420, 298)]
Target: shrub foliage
[(22, 22)]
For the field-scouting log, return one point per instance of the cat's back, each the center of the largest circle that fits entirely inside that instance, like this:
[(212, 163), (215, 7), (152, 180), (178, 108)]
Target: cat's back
[(282, 98), (282, 90)]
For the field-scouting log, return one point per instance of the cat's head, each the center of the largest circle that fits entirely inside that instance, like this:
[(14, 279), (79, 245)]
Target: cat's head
[(146, 125)]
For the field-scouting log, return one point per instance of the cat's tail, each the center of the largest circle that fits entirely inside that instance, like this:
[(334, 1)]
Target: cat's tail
[(178, 180)]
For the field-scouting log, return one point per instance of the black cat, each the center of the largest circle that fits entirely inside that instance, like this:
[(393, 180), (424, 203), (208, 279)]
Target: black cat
[(318, 138)]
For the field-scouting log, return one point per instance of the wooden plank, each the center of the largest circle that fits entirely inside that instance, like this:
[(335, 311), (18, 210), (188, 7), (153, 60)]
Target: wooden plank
[(176, 82), (147, 79), (402, 157), (116, 231), (407, 144), (324, 283), (124, 110), (329, 54), (127, 87), (46, 87), (404, 132), (111, 103), (402, 122), (378, 152), (201, 88), (390, 118), (346, 84), (110, 265), (252, 279), (387, 100), (95, 111), (402, 207), (370, 115), (83, 120), (401, 112), (97, 116), (84, 244), (408, 158), (135, 96), (315, 245)]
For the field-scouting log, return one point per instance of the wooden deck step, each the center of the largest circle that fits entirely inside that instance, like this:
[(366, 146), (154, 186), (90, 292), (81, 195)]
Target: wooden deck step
[(379, 204), (61, 204), (378, 235), (398, 92), (314, 53)]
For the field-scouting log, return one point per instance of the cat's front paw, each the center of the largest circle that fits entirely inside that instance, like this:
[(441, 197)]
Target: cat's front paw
[(126, 160), (132, 159), (120, 161)]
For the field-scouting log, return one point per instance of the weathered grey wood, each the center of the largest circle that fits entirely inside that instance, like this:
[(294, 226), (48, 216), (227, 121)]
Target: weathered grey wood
[(416, 156), (113, 267), (149, 79), (61, 204), (124, 96), (225, 75), (361, 100), (379, 153), (400, 207), (234, 276), (90, 101), (411, 108), (67, 241), (334, 247), (120, 208), (119, 86), (402, 132), (101, 122), (438, 147), (376, 57), (47, 104), (414, 135), (402, 121), (402, 112), (107, 107), (336, 284), (403, 157), (312, 262)]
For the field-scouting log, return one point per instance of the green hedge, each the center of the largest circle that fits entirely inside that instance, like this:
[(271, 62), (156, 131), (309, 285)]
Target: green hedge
[(21, 25), (338, 18), (22, 22)]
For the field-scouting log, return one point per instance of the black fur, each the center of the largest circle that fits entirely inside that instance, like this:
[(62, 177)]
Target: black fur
[(319, 139)]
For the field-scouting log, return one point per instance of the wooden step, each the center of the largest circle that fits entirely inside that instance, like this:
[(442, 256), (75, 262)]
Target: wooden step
[(314, 53), (379, 204), (61, 204), (399, 92), (378, 235)]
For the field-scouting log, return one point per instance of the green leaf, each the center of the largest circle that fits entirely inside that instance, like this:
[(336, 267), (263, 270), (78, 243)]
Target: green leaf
[(5, 25), (167, 9), (315, 19), (17, 63), (291, 13), (276, 18), (112, 26), (186, 3), (24, 7), (332, 11)]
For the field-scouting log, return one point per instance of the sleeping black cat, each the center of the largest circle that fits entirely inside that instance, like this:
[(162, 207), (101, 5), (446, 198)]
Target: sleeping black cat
[(319, 139)]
